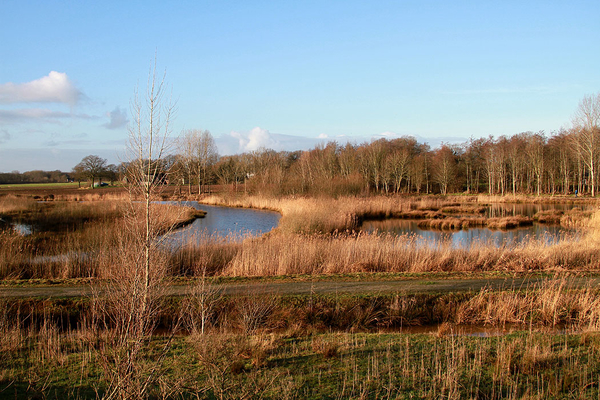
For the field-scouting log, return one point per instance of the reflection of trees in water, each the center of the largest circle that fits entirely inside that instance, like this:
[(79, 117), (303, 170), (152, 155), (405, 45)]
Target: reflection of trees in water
[(465, 238), (501, 210)]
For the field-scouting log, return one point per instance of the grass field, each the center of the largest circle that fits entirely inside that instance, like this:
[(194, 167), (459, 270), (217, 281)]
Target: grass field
[(42, 185)]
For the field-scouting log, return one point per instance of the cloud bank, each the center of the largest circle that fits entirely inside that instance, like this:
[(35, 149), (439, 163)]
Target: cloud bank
[(54, 88)]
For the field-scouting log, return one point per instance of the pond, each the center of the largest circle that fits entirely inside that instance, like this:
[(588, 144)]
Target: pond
[(464, 239), (227, 222)]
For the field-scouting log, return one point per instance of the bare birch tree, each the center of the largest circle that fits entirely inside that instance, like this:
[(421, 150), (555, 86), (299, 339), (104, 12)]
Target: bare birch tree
[(130, 302)]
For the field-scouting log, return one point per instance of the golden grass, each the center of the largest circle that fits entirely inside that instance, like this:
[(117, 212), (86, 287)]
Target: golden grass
[(316, 236), (285, 254), (11, 204), (78, 240), (551, 304)]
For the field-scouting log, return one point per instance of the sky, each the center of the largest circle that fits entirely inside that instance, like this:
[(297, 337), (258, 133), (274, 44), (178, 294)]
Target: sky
[(288, 74)]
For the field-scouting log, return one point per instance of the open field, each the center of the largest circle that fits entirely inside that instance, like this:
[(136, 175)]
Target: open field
[(45, 363), (42, 186)]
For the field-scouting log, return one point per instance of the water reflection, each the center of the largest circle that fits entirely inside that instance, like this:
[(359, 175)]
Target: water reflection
[(233, 223), (464, 239), (501, 210), (23, 229)]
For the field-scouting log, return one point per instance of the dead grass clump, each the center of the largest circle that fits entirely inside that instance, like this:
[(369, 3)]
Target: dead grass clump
[(551, 304), (327, 348), (509, 222), (10, 204), (463, 209)]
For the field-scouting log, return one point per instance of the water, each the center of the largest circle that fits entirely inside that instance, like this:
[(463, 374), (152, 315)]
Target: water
[(501, 210), (234, 223), (23, 229), (464, 239)]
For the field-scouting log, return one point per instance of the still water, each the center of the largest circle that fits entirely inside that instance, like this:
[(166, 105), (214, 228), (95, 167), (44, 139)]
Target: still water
[(234, 223), (464, 239)]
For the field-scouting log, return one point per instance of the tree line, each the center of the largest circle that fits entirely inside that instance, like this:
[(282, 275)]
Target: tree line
[(36, 176), (562, 162)]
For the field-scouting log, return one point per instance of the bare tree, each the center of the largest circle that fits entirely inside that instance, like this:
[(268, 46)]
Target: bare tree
[(444, 167), (586, 127), (131, 300), (91, 166), (200, 154)]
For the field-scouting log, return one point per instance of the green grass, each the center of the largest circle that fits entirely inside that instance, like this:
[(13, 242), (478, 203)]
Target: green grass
[(42, 185), (324, 366)]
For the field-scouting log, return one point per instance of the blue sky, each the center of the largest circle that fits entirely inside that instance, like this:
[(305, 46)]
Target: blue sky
[(286, 74)]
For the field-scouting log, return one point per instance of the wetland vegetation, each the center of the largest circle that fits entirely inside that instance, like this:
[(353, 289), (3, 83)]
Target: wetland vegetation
[(132, 338), (361, 345)]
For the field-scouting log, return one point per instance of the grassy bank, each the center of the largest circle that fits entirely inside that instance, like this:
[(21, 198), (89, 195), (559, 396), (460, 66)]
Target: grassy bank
[(317, 347), (44, 363), (549, 303)]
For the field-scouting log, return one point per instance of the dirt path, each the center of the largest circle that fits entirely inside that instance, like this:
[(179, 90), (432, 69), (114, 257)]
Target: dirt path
[(406, 286)]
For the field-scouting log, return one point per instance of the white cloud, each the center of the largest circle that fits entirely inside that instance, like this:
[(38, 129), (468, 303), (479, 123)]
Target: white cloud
[(237, 142), (254, 140), (54, 88), (118, 119), (387, 135)]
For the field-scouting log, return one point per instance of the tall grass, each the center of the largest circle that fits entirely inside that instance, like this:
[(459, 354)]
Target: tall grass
[(327, 215), (315, 237), (286, 254), (43, 362), (75, 240), (551, 304)]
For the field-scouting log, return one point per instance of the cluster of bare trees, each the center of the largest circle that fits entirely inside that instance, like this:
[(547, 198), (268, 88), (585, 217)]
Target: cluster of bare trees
[(36, 176), (562, 162)]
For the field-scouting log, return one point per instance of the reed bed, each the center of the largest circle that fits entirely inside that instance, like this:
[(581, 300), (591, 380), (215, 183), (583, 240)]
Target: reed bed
[(326, 215), (551, 304), (316, 236), (78, 240), (351, 253), (466, 223)]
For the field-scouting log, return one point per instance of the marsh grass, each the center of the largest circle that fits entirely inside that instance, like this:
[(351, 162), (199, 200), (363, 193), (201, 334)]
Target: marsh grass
[(73, 240), (552, 303), (82, 239), (327, 215), (349, 253)]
